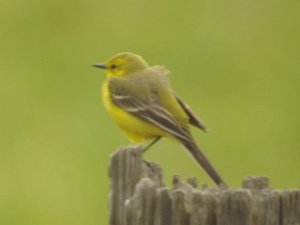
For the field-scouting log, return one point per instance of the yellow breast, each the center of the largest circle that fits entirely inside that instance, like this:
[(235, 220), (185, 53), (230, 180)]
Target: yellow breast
[(136, 129)]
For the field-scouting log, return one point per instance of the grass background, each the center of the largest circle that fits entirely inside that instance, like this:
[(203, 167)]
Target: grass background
[(235, 62)]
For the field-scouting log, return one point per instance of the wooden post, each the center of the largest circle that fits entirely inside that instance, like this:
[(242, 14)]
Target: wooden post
[(139, 197)]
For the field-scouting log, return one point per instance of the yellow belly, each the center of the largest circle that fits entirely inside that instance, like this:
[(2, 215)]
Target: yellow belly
[(136, 129)]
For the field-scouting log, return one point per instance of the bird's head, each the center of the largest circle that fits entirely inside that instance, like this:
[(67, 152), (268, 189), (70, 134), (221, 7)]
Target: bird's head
[(123, 64)]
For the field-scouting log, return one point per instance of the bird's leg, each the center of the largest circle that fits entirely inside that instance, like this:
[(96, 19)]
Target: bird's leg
[(152, 143)]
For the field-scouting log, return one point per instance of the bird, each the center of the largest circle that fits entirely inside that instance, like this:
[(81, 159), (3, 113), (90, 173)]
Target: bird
[(141, 101)]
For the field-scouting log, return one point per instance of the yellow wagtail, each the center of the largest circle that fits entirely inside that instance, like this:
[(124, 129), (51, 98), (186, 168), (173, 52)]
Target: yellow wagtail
[(141, 101)]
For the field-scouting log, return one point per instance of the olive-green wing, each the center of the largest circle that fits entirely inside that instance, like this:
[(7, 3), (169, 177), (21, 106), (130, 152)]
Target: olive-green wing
[(193, 119), (151, 111)]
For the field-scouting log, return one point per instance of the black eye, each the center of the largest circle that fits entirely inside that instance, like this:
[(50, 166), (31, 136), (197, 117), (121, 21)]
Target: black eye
[(113, 66)]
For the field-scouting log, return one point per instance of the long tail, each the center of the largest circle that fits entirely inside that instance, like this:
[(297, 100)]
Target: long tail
[(198, 155)]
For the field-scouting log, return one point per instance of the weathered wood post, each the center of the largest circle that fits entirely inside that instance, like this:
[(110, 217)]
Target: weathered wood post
[(139, 197)]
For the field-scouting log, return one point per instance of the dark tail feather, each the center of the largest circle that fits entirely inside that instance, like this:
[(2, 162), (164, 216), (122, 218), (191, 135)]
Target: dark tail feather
[(203, 162)]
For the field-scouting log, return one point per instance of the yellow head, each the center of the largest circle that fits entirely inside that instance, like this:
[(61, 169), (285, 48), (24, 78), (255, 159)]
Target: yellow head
[(123, 64)]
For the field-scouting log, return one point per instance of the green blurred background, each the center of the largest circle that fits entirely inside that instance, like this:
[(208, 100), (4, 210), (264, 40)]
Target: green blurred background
[(235, 62)]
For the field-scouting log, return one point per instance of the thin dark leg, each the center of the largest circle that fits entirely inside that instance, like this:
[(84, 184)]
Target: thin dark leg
[(152, 143)]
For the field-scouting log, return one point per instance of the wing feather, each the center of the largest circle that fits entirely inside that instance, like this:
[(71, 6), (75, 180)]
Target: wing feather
[(151, 111), (193, 119)]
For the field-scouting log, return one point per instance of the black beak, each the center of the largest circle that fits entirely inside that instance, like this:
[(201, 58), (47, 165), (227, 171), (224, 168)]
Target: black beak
[(101, 66)]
